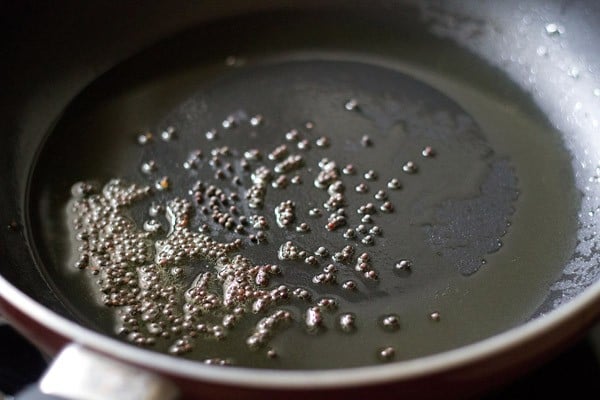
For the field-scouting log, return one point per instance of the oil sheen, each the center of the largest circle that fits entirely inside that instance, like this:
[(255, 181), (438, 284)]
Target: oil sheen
[(453, 184)]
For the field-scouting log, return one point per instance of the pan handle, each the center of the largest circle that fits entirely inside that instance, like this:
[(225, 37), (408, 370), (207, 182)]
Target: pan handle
[(78, 373)]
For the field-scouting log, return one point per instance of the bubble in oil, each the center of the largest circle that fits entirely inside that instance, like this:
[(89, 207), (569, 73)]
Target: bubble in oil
[(553, 28)]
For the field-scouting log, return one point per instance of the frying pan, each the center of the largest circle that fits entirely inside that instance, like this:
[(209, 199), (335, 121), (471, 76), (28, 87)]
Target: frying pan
[(535, 60)]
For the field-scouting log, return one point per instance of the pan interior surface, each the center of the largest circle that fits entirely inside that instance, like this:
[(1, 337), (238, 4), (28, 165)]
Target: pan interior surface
[(486, 218)]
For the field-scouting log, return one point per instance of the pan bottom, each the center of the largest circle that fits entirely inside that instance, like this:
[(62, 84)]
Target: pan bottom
[(457, 231)]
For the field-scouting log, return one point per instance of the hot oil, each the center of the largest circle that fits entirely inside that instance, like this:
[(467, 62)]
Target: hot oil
[(485, 134)]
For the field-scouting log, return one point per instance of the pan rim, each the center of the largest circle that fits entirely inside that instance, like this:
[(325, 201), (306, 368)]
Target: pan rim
[(577, 308)]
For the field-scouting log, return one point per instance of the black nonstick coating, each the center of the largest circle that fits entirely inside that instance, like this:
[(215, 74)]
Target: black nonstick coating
[(466, 219)]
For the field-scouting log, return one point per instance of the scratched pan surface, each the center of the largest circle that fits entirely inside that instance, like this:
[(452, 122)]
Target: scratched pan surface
[(472, 218), (499, 224)]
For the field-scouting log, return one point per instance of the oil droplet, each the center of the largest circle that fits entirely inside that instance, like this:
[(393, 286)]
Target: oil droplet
[(163, 183), (211, 134), (280, 183), (323, 141), (193, 159), (315, 212), (347, 322), (271, 353), (328, 303), (380, 195), (229, 122), (394, 184), (313, 318), (368, 240), (403, 265), (351, 105), (349, 285), (410, 167), (303, 144), (350, 234), (375, 230), (387, 207), (367, 209), (428, 152), (554, 29), (361, 188), (366, 219), (145, 138), (371, 274), (168, 134), (303, 228), (349, 170), (252, 155), (278, 153), (390, 322), (366, 141), (301, 294), (370, 175), (256, 120), (311, 260), (387, 354), (149, 167), (321, 252), (292, 135)]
